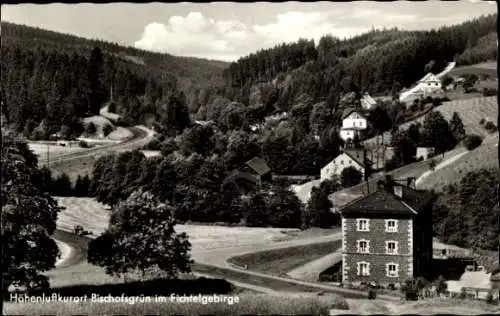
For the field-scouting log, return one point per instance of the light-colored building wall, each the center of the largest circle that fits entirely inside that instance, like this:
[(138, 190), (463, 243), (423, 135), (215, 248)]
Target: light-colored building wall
[(337, 165)]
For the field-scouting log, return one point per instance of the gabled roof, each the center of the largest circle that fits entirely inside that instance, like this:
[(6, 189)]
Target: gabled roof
[(430, 75), (348, 111), (258, 165), (383, 202), (358, 155), (367, 98)]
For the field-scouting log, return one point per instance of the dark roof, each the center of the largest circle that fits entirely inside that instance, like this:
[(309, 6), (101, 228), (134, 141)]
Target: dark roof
[(236, 174), (258, 165), (348, 111), (358, 155), (383, 201)]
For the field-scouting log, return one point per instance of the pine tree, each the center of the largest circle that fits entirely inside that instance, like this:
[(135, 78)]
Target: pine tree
[(457, 127)]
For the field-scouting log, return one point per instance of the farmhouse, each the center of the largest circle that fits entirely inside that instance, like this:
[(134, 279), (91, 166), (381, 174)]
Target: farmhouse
[(353, 122), (259, 168), (425, 152), (349, 158), (387, 235), (367, 102), (430, 83), (254, 172)]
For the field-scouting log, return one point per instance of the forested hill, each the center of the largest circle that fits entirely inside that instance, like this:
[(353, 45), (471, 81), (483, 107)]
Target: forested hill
[(379, 62), (196, 69), (50, 80)]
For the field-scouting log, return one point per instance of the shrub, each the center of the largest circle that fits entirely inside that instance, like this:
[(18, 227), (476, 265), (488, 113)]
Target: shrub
[(487, 92), (472, 141), (490, 127), (90, 129), (79, 231), (482, 121), (432, 164), (107, 129), (83, 144), (489, 298), (463, 294), (372, 294)]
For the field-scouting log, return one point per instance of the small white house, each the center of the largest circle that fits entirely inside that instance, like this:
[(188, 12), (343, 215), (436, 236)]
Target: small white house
[(429, 83), (353, 122), (349, 158), (367, 102), (425, 152)]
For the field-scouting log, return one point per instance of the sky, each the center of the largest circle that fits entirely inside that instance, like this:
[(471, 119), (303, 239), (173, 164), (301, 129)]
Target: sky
[(227, 30)]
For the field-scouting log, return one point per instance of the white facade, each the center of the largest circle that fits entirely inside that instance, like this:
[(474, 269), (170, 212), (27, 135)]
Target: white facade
[(346, 134), (354, 120), (430, 83), (367, 102), (337, 165)]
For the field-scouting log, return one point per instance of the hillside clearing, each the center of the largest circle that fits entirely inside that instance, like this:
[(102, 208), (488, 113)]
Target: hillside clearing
[(488, 68), (41, 149), (471, 111), (485, 156)]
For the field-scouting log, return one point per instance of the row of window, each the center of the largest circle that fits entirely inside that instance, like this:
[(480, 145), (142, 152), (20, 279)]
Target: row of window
[(363, 225), (391, 269), (391, 246)]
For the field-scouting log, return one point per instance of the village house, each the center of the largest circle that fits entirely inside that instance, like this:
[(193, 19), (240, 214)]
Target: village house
[(387, 235), (425, 152), (351, 157), (353, 123), (254, 172), (367, 102)]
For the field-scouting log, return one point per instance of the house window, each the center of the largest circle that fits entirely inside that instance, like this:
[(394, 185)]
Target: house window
[(363, 268), (392, 270), (391, 247), (354, 123), (363, 225), (391, 225), (363, 246), (342, 162)]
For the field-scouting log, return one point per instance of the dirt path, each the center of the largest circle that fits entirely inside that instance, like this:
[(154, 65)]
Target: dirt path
[(441, 165), (66, 252)]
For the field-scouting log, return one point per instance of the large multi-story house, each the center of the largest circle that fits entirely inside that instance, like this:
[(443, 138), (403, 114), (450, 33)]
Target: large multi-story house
[(353, 123), (387, 235)]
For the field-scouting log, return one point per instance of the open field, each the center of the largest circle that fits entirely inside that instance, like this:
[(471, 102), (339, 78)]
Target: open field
[(93, 216), (41, 149), (249, 304), (489, 68), (422, 307), (281, 261), (81, 163), (485, 156)]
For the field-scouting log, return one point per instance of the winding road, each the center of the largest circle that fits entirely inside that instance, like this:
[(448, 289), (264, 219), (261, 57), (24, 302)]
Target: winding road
[(140, 136)]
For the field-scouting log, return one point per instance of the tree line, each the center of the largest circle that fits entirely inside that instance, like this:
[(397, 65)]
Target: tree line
[(378, 62), (467, 212), (435, 132)]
